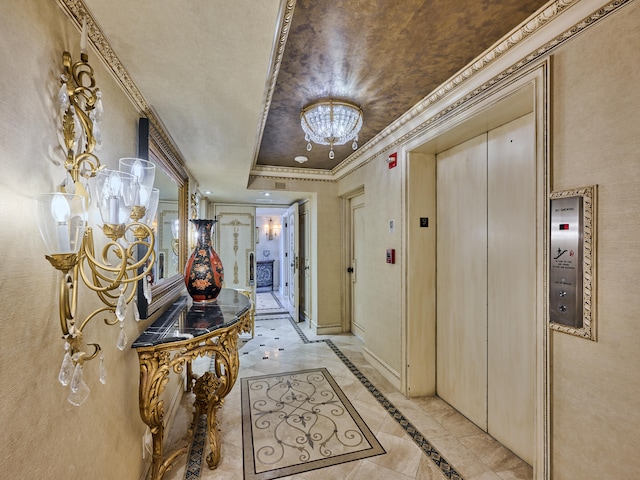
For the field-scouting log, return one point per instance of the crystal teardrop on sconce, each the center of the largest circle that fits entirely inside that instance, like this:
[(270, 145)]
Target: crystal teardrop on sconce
[(121, 307), (64, 377), (122, 338), (102, 370)]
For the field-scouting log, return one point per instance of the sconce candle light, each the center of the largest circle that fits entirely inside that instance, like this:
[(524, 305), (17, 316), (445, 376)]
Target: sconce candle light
[(271, 230), (125, 200)]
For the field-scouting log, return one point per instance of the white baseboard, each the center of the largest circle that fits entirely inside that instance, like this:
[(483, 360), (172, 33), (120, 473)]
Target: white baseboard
[(381, 366), (334, 329)]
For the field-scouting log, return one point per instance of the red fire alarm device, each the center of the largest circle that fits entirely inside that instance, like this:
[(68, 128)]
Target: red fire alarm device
[(392, 159), (391, 255)]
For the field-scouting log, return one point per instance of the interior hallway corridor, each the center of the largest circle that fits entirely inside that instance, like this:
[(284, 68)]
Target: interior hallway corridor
[(417, 434)]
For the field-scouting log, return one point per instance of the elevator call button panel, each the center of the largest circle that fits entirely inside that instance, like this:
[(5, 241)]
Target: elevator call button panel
[(566, 269)]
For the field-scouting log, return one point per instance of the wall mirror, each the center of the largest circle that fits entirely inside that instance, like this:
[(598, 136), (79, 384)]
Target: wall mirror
[(170, 225)]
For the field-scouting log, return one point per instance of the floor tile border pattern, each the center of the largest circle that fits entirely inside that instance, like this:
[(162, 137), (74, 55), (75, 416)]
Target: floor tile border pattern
[(447, 469), (194, 460), (274, 311)]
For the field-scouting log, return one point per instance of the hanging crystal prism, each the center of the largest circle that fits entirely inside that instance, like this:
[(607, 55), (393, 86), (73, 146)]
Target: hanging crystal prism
[(102, 370), (136, 311), (67, 367), (97, 132), (121, 306), (122, 338), (331, 154), (146, 289), (98, 108), (63, 98), (79, 396), (77, 377)]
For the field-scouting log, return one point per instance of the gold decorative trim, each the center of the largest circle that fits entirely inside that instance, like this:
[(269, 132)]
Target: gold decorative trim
[(588, 329), (544, 16), (286, 16)]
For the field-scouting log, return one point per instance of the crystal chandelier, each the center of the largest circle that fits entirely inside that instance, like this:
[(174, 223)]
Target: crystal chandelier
[(331, 122)]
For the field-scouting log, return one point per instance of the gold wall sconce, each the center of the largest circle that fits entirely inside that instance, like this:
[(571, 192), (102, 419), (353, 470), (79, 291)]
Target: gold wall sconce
[(271, 230), (127, 203)]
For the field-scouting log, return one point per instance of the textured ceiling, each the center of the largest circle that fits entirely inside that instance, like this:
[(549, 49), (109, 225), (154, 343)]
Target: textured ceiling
[(214, 73), (383, 55)]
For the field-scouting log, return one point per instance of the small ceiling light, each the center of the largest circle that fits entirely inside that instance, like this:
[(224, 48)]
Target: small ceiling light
[(300, 159), (331, 122)]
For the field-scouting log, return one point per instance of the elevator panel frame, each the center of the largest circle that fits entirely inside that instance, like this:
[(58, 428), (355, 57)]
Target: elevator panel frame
[(584, 220)]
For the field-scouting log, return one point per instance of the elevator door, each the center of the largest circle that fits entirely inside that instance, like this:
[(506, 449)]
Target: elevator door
[(486, 281), (511, 274), (462, 278)]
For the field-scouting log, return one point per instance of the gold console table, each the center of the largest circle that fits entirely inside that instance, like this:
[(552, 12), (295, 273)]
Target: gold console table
[(183, 333)]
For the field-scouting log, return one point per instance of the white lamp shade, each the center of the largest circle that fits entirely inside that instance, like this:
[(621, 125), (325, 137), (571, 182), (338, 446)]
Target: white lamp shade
[(145, 172), (152, 209), (114, 193), (62, 219)]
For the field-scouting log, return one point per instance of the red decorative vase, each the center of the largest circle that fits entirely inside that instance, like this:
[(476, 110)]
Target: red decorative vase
[(203, 274)]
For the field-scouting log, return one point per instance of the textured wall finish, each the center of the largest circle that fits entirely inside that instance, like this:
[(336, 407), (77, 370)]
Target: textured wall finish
[(43, 436)]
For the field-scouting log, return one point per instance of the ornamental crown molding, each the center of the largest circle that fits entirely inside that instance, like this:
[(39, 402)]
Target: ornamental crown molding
[(285, 15), (481, 64), (77, 11)]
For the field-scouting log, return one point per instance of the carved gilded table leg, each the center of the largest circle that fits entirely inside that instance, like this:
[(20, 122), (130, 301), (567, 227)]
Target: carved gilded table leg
[(154, 375), (156, 362)]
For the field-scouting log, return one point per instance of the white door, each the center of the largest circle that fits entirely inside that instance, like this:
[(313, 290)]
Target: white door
[(235, 244), (305, 263), (291, 259), (357, 248)]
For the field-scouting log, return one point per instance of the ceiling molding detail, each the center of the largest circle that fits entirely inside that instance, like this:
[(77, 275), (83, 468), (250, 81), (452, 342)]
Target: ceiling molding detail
[(76, 10), (285, 17), (253, 177), (263, 171), (483, 62)]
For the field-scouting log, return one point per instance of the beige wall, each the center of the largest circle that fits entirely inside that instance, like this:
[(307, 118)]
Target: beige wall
[(383, 281), (596, 140), (595, 386), (43, 436)]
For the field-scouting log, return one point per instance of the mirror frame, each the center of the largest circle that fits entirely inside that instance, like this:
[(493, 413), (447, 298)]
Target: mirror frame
[(152, 145)]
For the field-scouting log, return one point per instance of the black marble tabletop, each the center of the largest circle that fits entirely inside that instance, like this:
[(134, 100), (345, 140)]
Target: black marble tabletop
[(186, 319)]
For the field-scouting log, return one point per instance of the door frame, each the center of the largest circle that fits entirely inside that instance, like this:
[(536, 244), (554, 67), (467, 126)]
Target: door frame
[(292, 266), (531, 90), (347, 255)]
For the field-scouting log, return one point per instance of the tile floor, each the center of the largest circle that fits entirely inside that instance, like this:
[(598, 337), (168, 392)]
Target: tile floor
[(278, 347)]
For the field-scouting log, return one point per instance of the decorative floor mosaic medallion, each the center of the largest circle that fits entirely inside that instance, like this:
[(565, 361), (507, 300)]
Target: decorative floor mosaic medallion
[(300, 421), (194, 463)]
